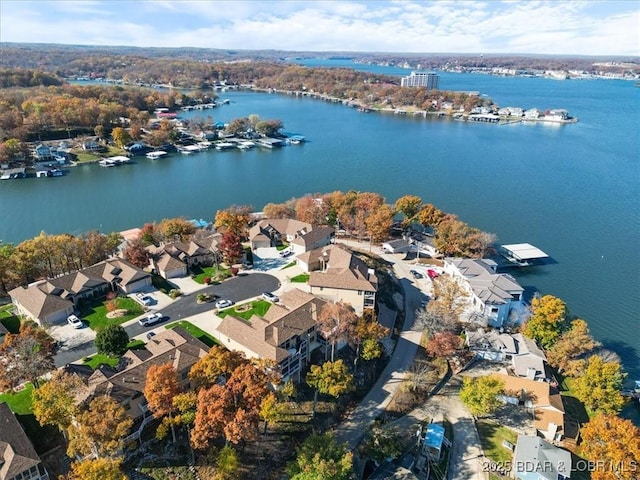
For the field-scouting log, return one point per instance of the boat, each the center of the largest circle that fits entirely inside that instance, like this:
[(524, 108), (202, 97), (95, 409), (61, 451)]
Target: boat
[(224, 145), (246, 144), (156, 154), (119, 159)]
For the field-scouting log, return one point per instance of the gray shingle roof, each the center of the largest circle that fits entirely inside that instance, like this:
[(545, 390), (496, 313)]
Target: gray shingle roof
[(16, 451)]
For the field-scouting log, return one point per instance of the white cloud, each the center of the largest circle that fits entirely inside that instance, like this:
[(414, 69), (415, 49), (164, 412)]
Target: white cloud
[(568, 27)]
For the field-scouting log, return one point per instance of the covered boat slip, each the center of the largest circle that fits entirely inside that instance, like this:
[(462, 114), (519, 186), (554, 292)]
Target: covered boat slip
[(522, 254)]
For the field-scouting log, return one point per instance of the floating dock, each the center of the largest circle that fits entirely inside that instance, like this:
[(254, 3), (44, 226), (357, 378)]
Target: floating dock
[(522, 254)]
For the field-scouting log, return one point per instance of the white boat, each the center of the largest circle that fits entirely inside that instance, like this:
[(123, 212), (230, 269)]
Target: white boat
[(120, 159), (106, 162), (224, 145), (245, 145), (156, 154)]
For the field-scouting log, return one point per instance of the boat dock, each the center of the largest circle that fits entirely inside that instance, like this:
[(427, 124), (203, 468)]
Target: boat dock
[(522, 254)]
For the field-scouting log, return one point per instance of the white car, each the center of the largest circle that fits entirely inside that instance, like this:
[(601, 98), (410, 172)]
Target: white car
[(223, 303), (285, 253), (150, 319), (270, 297), (145, 300), (74, 321)]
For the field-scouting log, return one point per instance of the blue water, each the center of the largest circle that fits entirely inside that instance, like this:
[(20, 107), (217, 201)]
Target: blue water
[(572, 190)]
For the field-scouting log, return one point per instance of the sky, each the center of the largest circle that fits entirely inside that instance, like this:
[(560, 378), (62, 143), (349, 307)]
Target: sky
[(581, 27)]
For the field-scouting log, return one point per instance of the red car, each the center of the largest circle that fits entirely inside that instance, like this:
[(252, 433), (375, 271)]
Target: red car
[(432, 274)]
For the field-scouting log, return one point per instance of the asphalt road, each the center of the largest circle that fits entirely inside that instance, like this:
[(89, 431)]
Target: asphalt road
[(235, 289)]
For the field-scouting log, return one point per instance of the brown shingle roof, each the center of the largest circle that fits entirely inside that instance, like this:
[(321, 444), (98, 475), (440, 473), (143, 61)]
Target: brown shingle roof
[(37, 301), (344, 271), (16, 451)]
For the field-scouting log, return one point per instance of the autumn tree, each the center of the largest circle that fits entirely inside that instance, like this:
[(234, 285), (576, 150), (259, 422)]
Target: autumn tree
[(547, 321), (112, 340), (162, 385), (449, 301), (25, 356), (238, 126), (136, 253), (270, 410), (54, 402), (409, 206), (269, 128), (219, 363), (281, 210), (8, 276), (570, 347), (175, 228), (430, 216), (379, 223), (120, 136), (321, 457), (335, 323), (444, 344), (480, 395), (235, 219), (231, 247), (366, 335), (613, 445), (330, 378), (310, 209), (97, 469), (231, 409), (99, 430), (599, 386)]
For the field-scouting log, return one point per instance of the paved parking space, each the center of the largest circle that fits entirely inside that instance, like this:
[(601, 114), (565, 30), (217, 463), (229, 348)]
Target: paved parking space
[(69, 337)]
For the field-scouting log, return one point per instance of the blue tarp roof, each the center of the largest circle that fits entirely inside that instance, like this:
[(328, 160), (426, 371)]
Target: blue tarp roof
[(434, 436)]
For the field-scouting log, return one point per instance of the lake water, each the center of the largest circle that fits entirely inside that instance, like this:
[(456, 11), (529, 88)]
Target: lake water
[(571, 190)]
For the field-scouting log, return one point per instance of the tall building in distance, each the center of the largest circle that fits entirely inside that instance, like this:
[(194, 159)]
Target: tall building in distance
[(421, 79)]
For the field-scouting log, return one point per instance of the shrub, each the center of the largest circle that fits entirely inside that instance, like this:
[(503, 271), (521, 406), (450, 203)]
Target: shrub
[(207, 280), (111, 295), (234, 271), (175, 293), (111, 305)]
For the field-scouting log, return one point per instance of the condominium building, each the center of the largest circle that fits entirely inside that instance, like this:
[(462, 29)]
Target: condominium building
[(421, 79)]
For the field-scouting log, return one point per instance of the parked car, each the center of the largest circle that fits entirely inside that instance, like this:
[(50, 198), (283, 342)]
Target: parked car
[(285, 253), (150, 335), (74, 321), (432, 273), (150, 319), (416, 274), (223, 303), (270, 297), (145, 300)]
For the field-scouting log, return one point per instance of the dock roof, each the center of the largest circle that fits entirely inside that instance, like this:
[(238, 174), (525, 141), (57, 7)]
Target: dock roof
[(524, 251)]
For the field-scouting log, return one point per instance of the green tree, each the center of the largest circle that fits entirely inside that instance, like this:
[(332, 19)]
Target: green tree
[(112, 340), (269, 128), (599, 386), (330, 378), (227, 463), (382, 443), (547, 321), (480, 395), (321, 457)]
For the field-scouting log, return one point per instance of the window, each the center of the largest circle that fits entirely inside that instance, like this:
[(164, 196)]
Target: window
[(494, 309), (360, 292), (516, 297)]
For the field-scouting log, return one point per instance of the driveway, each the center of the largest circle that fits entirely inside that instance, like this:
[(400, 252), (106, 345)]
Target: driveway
[(237, 289)]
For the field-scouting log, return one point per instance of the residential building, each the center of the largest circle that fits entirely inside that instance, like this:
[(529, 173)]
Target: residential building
[(126, 382), (493, 296), (174, 259), (286, 334), (421, 79), (522, 353), (342, 277), (536, 459), (399, 245), (18, 458), (300, 236), (542, 398), (50, 301)]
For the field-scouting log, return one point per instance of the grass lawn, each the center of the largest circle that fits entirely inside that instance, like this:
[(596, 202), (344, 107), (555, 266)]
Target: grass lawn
[(491, 436), (288, 265), (96, 315), (302, 278), (9, 320), (214, 273), (259, 308), (200, 334), (94, 361), (19, 402), (111, 151), (574, 407)]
